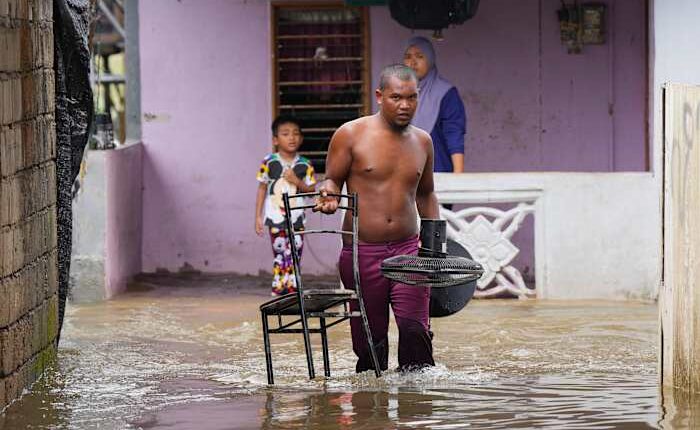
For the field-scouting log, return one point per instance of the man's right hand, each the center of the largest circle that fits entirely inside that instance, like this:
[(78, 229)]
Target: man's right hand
[(325, 203)]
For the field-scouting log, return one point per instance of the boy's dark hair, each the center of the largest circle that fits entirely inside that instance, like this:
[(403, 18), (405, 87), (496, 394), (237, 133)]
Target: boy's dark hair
[(404, 73), (284, 119)]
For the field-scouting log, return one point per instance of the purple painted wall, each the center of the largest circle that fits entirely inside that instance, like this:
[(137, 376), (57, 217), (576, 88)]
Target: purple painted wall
[(206, 82), (206, 104), (532, 106), (124, 182), (205, 85)]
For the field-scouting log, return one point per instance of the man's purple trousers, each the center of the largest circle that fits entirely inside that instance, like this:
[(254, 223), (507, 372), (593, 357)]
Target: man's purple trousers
[(410, 304)]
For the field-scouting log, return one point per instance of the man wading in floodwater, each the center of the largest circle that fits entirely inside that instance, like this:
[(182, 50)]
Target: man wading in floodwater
[(389, 164)]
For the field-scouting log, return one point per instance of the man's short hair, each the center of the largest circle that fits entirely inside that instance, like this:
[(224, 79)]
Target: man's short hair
[(399, 71), (284, 119)]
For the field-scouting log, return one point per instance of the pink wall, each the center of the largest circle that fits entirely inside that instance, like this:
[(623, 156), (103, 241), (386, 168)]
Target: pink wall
[(124, 182), (206, 82), (205, 79), (532, 106)]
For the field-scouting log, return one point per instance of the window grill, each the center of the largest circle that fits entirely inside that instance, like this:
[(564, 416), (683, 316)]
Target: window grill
[(321, 70)]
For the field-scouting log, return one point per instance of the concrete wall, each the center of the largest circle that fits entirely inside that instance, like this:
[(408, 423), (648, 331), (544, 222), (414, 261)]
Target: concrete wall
[(123, 238), (206, 110), (87, 270), (107, 223), (28, 265), (595, 234)]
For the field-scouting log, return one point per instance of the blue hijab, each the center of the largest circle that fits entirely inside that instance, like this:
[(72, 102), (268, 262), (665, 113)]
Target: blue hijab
[(431, 89)]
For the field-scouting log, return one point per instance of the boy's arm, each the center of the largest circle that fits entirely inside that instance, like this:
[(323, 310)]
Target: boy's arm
[(259, 201), (301, 185)]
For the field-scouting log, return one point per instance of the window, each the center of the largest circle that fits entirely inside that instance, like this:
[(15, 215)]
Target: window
[(320, 70)]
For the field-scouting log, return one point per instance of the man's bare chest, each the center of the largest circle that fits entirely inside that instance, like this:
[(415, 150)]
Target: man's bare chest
[(388, 160)]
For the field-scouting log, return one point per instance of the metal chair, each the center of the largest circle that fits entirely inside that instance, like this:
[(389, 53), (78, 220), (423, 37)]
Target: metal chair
[(330, 306)]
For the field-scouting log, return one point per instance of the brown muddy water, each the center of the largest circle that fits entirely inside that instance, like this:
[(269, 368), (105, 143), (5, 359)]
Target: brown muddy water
[(191, 357)]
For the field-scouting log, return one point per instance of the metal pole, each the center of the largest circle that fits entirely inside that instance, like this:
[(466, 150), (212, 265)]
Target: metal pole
[(111, 18), (133, 72)]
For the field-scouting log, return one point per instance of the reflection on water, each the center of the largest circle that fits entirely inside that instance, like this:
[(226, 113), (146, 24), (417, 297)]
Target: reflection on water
[(191, 357)]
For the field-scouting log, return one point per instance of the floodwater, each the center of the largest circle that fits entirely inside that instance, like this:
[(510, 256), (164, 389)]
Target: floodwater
[(191, 357)]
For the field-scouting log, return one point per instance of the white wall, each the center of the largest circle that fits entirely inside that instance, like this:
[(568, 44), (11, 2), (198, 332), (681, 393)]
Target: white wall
[(596, 234), (87, 270)]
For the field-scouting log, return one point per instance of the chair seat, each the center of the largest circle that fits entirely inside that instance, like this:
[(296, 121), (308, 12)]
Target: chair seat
[(314, 301)]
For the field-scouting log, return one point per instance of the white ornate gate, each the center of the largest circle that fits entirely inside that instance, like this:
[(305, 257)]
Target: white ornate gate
[(486, 233)]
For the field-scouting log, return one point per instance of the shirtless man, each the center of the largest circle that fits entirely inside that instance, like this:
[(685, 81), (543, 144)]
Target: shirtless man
[(389, 164)]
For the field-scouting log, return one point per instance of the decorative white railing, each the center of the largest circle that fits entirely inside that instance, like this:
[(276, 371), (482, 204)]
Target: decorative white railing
[(486, 233), (595, 235)]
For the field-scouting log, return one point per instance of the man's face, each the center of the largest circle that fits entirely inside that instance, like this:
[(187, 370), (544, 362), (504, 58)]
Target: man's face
[(288, 139), (398, 101), (415, 59)]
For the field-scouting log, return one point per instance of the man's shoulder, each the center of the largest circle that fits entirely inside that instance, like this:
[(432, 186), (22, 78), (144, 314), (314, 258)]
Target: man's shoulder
[(420, 134), (351, 130), (356, 124)]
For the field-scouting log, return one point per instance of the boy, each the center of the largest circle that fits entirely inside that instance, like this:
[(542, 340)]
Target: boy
[(282, 171)]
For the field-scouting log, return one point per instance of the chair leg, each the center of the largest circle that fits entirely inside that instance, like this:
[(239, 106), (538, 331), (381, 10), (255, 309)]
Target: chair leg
[(307, 343), (358, 289), (300, 289), (370, 340), (268, 351), (324, 343)]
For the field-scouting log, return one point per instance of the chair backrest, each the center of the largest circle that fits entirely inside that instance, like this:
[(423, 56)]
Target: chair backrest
[(351, 205)]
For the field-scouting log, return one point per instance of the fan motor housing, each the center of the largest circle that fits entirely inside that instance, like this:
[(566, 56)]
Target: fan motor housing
[(450, 300)]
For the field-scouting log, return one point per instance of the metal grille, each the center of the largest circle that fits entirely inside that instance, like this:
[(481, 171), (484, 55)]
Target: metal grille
[(320, 70), (430, 271)]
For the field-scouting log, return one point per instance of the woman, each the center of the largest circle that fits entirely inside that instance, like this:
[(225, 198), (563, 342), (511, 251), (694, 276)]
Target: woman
[(440, 109)]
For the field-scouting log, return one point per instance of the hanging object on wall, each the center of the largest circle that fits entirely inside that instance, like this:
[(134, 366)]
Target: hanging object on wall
[(581, 25), (434, 15), (593, 24), (569, 27)]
